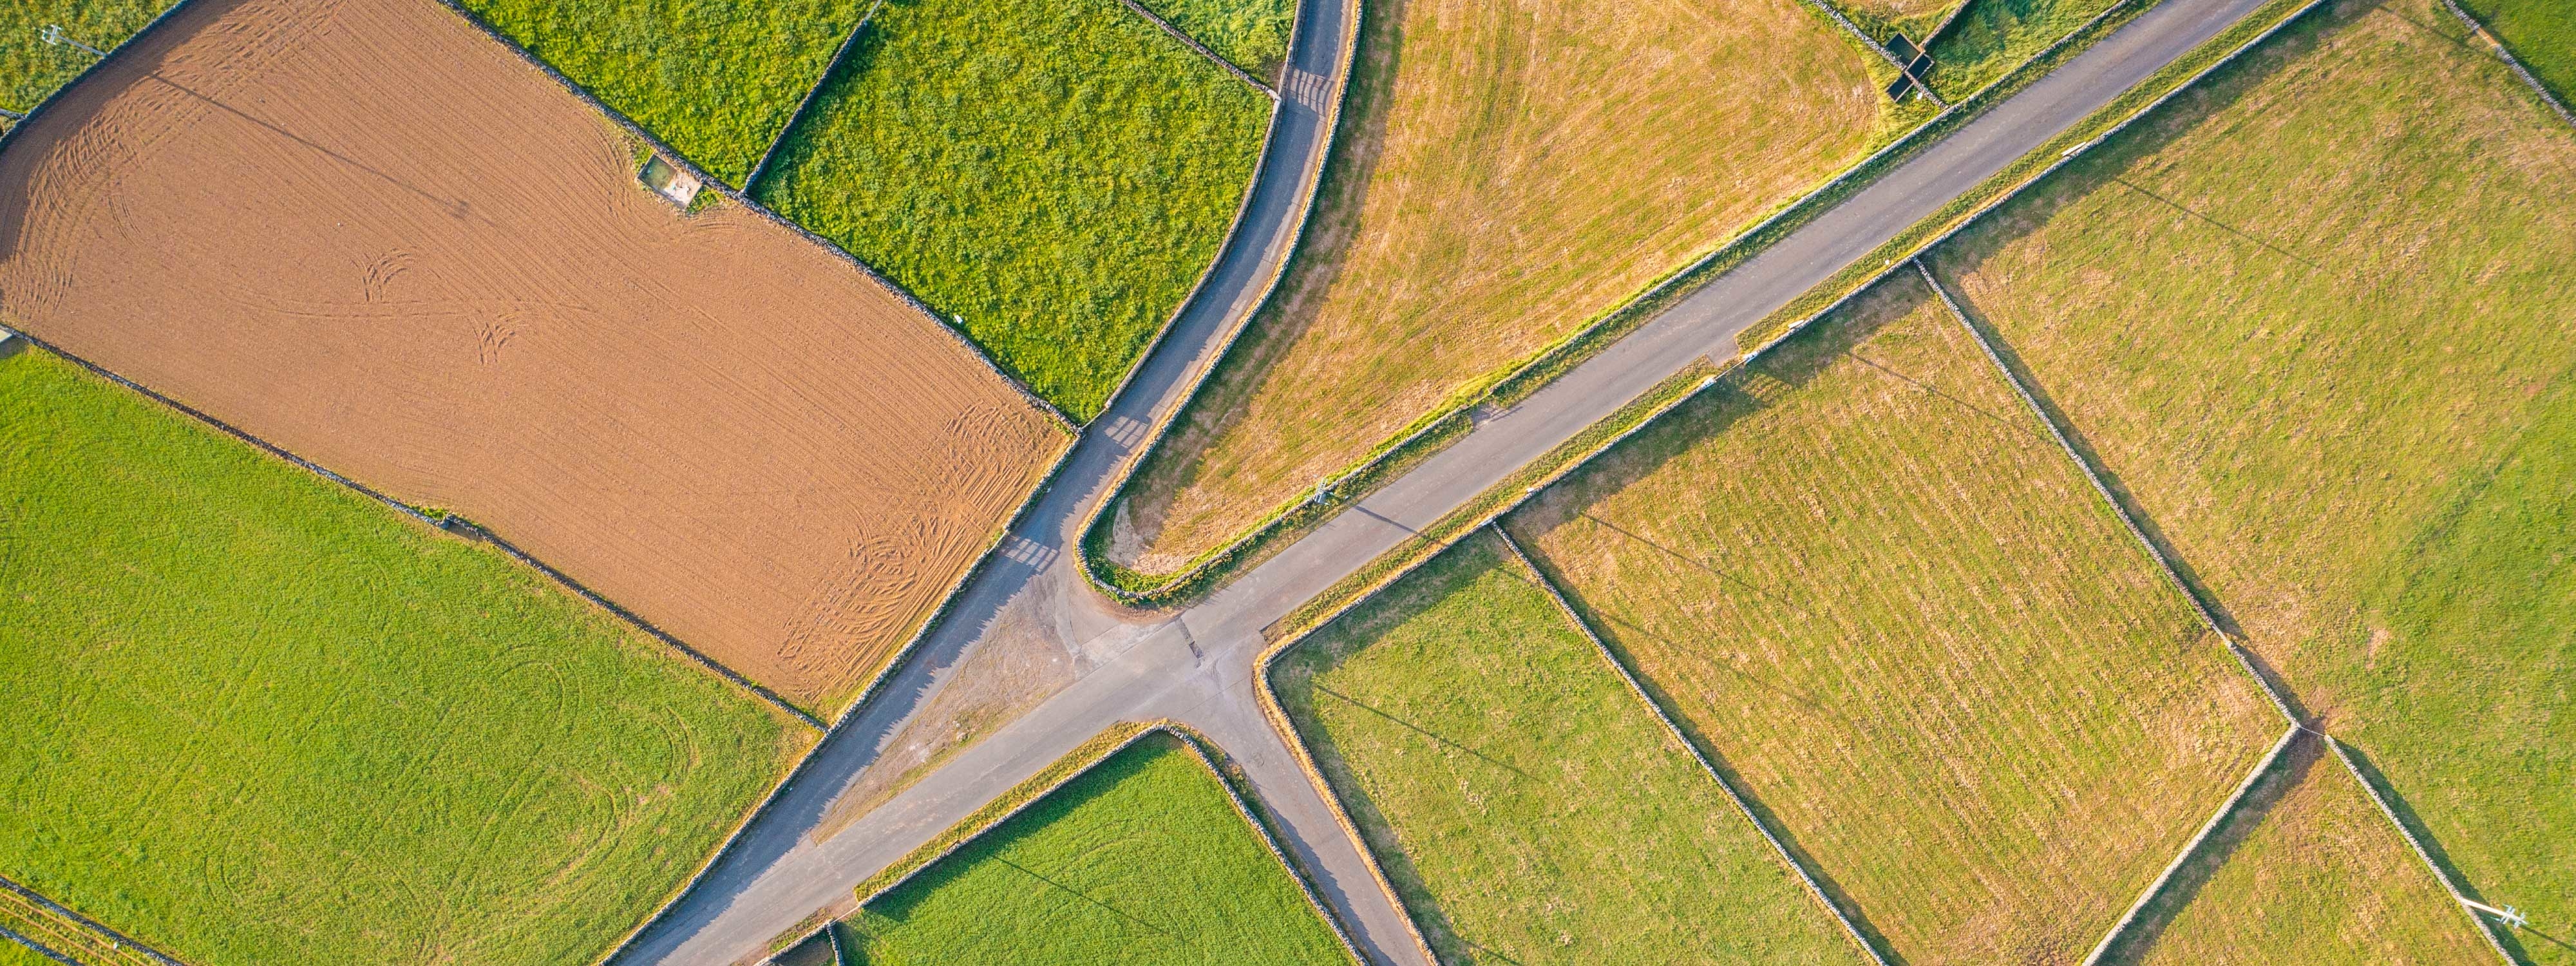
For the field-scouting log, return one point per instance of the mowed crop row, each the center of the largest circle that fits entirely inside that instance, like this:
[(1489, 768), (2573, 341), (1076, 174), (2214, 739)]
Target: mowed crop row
[(1050, 176), (365, 232), (2314, 319), (1526, 805), (249, 716), (1870, 585), (1141, 859), (1502, 175)]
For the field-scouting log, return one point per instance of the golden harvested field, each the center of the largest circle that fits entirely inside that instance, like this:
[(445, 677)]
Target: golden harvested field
[(2323, 879), (1871, 586), (2318, 323), (1504, 173), (365, 231)]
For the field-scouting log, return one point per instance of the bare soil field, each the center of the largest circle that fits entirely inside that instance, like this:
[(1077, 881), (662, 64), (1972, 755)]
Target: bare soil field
[(366, 232), (1867, 581), (1503, 174)]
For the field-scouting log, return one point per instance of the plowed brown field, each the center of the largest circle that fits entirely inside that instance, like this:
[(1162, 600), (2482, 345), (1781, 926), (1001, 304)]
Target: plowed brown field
[(369, 233)]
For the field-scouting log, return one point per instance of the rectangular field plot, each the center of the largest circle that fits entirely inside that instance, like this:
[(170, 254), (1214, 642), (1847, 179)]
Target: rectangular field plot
[(1527, 805), (31, 69), (2323, 878), (1051, 175), (1140, 860), (715, 79), (1504, 174), (2317, 322), (1880, 594), (1251, 34), (248, 716), (364, 231)]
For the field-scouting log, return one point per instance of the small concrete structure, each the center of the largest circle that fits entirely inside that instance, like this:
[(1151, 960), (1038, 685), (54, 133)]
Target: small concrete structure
[(11, 344), (666, 179)]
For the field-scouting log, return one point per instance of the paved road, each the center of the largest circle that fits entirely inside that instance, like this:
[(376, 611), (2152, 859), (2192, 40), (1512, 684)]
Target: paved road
[(1197, 666)]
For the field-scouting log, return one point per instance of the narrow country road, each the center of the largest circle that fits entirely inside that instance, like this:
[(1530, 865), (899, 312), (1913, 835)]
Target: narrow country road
[(1197, 666)]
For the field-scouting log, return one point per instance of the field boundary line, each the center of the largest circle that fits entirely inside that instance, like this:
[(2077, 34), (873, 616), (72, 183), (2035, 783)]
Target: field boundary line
[(1673, 730), (2459, 899), (805, 106), (2272, 691), (23, 119), (1194, 44), (1828, 9), (1634, 308), (40, 949), (2235, 801), (1202, 745), (116, 939), (683, 162), (2495, 40), (450, 525)]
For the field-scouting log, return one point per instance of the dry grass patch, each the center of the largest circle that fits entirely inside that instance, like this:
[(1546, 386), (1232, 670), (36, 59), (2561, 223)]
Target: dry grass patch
[(1525, 804), (1504, 173), (2317, 322), (365, 231), (2322, 879), (1877, 591)]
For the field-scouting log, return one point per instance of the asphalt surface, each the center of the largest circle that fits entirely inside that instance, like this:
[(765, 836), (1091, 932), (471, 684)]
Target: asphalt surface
[(1197, 666)]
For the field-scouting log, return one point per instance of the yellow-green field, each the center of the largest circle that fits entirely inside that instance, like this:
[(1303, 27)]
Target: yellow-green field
[(1876, 590), (2323, 878), (250, 717), (1527, 805), (2317, 322), (1503, 174)]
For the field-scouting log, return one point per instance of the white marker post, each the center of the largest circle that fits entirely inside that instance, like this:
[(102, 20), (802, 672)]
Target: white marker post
[(54, 37), (2508, 915)]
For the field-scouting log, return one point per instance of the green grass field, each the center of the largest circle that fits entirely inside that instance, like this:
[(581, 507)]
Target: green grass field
[(1253, 34), (2542, 34), (714, 79), (1056, 172), (248, 716), (1994, 36), (13, 954), (30, 69), (2317, 321), (1503, 175), (1141, 860), (1879, 593), (1527, 806), (2323, 879)]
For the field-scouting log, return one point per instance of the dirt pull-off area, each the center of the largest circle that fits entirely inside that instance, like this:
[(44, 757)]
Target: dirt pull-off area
[(366, 231)]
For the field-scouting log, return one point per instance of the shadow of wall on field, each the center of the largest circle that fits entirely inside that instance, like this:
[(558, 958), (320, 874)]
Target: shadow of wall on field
[(2440, 857), (2296, 767), (1332, 226)]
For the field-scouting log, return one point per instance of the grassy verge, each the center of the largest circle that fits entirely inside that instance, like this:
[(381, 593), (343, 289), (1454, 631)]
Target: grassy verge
[(254, 717), (1141, 858), (1253, 34), (1051, 176), (2542, 34), (1991, 36), (1526, 807), (30, 69), (1866, 579), (714, 79), (1481, 204), (1510, 384), (2314, 320), (2319, 878)]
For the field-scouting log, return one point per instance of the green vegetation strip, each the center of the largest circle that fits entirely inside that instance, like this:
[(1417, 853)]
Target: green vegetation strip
[(226, 677), (714, 79), (1141, 856), (1109, 742), (1051, 176), (1452, 419), (1252, 35), (31, 70)]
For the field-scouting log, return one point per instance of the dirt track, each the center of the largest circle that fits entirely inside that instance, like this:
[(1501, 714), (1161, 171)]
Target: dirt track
[(369, 233)]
